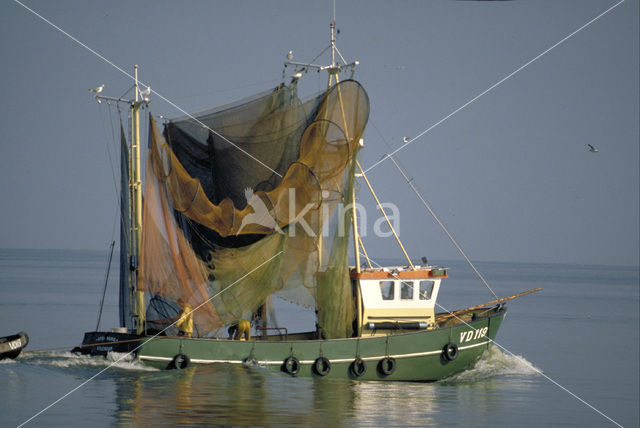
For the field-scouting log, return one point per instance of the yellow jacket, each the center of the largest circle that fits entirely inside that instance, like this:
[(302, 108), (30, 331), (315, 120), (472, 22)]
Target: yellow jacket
[(185, 322)]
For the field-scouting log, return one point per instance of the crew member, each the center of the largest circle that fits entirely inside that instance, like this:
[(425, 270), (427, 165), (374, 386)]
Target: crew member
[(242, 328), (185, 319)]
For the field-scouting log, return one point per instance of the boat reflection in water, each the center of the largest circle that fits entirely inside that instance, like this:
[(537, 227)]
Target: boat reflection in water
[(254, 396)]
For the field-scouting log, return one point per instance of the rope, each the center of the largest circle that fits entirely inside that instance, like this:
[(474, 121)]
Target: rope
[(106, 140), (106, 281), (442, 225), (385, 216)]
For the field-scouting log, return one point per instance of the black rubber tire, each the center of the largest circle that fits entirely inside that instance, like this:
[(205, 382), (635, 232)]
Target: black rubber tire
[(387, 365), (321, 366), (180, 362), (450, 351), (358, 367), (291, 365)]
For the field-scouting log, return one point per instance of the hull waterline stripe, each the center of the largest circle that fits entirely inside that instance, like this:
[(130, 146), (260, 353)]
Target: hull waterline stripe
[(337, 360)]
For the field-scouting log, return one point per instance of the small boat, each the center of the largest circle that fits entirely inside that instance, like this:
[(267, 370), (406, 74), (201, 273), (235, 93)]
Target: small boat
[(255, 201), (11, 346)]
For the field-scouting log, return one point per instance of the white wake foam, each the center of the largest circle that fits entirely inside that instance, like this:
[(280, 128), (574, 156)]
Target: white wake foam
[(494, 362), (121, 361)]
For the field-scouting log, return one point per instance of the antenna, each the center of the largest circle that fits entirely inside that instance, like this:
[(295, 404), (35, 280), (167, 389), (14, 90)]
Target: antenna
[(334, 10), (335, 66)]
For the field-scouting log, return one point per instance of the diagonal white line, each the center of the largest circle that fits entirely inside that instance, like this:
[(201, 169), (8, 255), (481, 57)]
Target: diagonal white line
[(446, 231), (538, 371), (146, 341), (493, 86), (155, 92), (534, 368)]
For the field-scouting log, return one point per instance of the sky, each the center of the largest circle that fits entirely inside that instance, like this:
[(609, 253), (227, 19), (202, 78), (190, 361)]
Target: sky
[(504, 163)]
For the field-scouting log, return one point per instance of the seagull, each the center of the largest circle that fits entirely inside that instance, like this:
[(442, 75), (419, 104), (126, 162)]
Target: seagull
[(592, 149), (405, 139), (146, 92), (98, 89), (290, 55)]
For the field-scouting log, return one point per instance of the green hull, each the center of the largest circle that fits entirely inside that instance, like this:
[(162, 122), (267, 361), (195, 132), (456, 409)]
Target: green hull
[(419, 356)]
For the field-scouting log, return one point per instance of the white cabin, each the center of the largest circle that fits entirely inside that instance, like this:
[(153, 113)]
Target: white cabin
[(397, 299)]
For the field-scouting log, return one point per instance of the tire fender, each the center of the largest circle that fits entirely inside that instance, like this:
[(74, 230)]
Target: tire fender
[(180, 361), (291, 365), (321, 366), (358, 367), (450, 351), (387, 365)]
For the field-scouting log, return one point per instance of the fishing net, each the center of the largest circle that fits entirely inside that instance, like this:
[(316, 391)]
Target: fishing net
[(237, 200)]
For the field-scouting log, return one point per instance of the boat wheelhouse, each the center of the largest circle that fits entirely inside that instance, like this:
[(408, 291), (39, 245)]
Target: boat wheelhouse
[(398, 298)]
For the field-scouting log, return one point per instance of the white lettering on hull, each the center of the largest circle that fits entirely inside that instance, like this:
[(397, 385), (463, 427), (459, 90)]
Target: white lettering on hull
[(469, 335)]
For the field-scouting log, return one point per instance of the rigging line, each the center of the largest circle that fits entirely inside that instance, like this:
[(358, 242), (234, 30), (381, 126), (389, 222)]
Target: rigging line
[(261, 84), (393, 230), (106, 281), (386, 143), (126, 92), (498, 83), (316, 57), (113, 174), (118, 215), (146, 341), (106, 138), (142, 83), (120, 212), (538, 371), (442, 225)]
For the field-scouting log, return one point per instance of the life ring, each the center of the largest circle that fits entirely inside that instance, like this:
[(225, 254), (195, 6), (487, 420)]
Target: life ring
[(358, 367), (321, 366), (291, 365), (180, 362), (450, 351), (387, 365)]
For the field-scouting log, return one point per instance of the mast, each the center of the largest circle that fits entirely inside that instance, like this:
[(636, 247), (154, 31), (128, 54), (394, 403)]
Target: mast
[(333, 69), (132, 304), (136, 232)]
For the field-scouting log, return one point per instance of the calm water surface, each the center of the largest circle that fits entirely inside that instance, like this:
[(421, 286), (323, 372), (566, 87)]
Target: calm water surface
[(581, 331)]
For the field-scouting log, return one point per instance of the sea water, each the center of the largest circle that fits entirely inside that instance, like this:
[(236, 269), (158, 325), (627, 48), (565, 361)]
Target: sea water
[(566, 356)]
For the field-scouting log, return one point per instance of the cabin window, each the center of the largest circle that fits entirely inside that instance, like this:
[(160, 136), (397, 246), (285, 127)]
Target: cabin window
[(387, 289), (406, 290), (426, 288)]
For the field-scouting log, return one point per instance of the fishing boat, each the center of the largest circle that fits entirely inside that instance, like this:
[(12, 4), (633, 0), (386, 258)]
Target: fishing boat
[(11, 346), (251, 206)]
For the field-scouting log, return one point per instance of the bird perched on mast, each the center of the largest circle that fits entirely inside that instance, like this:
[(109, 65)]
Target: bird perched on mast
[(98, 89), (145, 93)]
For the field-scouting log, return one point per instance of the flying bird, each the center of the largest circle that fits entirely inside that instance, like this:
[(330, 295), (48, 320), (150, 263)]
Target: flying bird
[(98, 89), (405, 139), (592, 149)]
